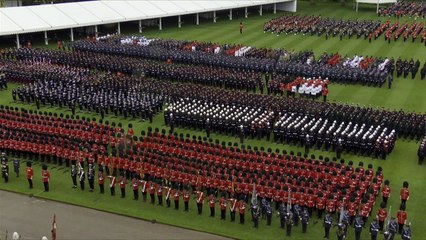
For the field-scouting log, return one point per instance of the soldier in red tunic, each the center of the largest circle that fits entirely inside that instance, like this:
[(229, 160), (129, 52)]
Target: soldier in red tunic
[(200, 201), (232, 207), (160, 194), (186, 197), (168, 195), (212, 203), (123, 183), (112, 184), (45, 176), (176, 196), (135, 187), (242, 209), (30, 174), (382, 215), (404, 194), (222, 202), (386, 190), (101, 179), (402, 218)]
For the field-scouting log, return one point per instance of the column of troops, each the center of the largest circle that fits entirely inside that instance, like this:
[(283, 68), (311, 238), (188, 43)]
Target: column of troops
[(421, 153), (404, 8), (315, 25), (173, 167)]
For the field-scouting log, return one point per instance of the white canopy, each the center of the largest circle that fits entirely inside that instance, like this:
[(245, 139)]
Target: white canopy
[(378, 2), (16, 20)]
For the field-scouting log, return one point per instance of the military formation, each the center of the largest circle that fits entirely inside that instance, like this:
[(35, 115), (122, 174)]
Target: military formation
[(404, 8), (421, 153)]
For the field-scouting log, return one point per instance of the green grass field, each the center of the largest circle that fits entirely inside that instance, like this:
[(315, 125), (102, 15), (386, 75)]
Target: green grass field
[(401, 165)]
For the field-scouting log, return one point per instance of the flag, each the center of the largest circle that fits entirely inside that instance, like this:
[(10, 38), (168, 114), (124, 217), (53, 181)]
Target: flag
[(54, 227)]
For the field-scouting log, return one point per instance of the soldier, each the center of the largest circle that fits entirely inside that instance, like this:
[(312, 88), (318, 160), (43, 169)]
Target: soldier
[(135, 187), (200, 201), (81, 177), (168, 196), (392, 228), (307, 143), (30, 174), (339, 147), (45, 177), (186, 197), (390, 80), (160, 194), (123, 182), (176, 196), (5, 170), (289, 223), (374, 229), (359, 223), (386, 192), (16, 166), (242, 209), (328, 221), (269, 212), (74, 176), (305, 220), (406, 233), (402, 218), (222, 203), (112, 184), (404, 194), (207, 127), (341, 229), (232, 207), (382, 215), (144, 190), (241, 134), (282, 212), (212, 202), (255, 214), (101, 180), (152, 192), (91, 178), (296, 214)]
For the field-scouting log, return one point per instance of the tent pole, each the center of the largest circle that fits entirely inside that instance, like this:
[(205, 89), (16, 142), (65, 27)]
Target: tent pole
[(18, 44), (214, 16), (260, 10), (230, 14), (197, 19), (72, 35), (275, 8), (160, 24), (245, 12), (96, 30), (179, 22), (140, 26), (118, 28), (46, 41)]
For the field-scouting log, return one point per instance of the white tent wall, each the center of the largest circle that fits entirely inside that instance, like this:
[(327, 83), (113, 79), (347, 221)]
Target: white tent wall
[(375, 2)]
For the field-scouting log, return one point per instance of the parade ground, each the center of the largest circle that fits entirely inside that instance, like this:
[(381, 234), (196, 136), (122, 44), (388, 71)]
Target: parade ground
[(32, 218)]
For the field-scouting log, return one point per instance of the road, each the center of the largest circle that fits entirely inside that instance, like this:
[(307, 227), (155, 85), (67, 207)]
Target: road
[(32, 219)]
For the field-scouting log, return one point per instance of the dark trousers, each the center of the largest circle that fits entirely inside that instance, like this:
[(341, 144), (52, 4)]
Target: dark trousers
[(327, 232), (176, 205), (135, 194), (381, 223), (304, 227), (374, 236), (168, 202), (223, 214), (144, 196), (256, 222), (152, 198), (211, 211), (46, 186), (242, 220), (232, 216), (200, 208), (112, 191), (30, 182), (91, 184), (123, 192), (186, 206), (282, 222), (74, 181), (101, 188), (400, 226), (82, 185), (288, 229), (160, 200), (357, 235)]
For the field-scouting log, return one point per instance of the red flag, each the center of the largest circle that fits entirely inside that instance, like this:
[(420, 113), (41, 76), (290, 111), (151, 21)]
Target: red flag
[(54, 227)]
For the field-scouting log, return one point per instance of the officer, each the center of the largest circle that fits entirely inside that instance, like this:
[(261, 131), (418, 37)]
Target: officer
[(74, 176), (296, 214), (81, 177), (242, 209), (16, 166), (283, 212), (5, 170), (392, 228), (328, 221), (101, 180), (289, 223), (269, 213), (307, 143), (241, 134), (339, 148), (359, 223), (91, 178), (374, 229), (305, 220), (341, 229), (212, 203), (207, 127), (255, 213)]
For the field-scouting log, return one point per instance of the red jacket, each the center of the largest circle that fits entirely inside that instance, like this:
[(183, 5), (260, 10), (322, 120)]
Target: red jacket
[(386, 191), (45, 175), (101, 179), (382, 214), (404, 194), (30, 173), (402, 216)]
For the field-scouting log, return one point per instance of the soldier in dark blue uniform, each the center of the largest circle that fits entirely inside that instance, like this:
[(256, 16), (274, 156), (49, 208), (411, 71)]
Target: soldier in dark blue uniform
[(328, 221), (374, 229), (16, 166), (289, 223), (269, 213), (406, 232), (74, 176), (359, 223), (305, 220), (283, 212)]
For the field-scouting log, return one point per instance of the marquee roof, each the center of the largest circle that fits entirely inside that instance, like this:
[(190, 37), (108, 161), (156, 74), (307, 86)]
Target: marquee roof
[(16, 20)]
